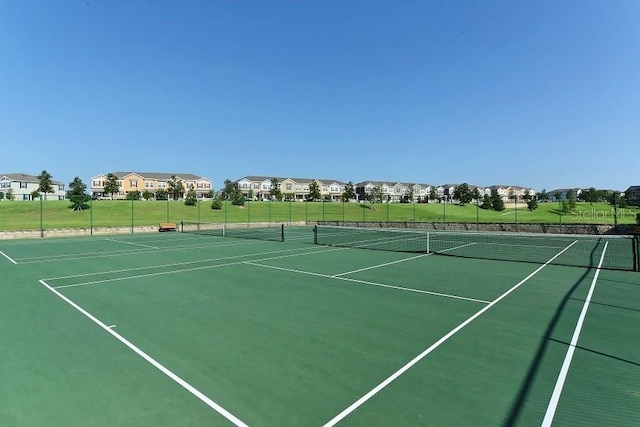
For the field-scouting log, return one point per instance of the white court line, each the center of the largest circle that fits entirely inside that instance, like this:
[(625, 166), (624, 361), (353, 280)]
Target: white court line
[(434, 346), (107, 254), (162, 273), (380, 265), (401, 260), (175, 264), (366, 282), (8, 257), (133, 244), (213, 405), (557, 390)]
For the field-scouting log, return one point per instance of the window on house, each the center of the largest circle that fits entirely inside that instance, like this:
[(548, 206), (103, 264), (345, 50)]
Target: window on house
[(23, 185), (133, 183), (148, 184)]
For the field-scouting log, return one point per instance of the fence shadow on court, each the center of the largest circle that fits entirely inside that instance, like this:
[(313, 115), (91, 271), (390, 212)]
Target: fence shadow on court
[(525, 388)]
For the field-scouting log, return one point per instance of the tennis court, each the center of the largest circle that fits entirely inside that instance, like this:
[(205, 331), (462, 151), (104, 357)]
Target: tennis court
[(199, 329)]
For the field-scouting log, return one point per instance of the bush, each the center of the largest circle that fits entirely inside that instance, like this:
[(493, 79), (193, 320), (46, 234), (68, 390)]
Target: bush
[(216, 204), (532, 205)]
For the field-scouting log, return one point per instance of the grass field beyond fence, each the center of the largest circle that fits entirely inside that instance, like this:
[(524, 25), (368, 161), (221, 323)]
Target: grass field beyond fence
[(33, 215)]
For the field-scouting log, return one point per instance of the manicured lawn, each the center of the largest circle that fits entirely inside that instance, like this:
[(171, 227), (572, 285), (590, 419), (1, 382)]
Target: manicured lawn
[(26, 215)]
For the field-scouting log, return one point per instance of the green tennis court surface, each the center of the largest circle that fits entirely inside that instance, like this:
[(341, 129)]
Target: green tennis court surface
[(194, 329)]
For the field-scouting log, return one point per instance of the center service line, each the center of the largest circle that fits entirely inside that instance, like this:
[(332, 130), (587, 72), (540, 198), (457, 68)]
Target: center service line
[(437, 344)]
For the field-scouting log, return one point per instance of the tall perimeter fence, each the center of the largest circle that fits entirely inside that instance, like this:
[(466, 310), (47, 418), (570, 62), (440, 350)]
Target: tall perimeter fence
[(49, 218)]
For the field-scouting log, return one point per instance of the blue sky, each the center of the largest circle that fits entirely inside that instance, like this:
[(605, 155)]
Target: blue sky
[(534, 93)]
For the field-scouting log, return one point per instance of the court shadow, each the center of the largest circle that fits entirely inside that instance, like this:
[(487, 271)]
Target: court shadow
[(619, 307), (525, 388), (599, 353)]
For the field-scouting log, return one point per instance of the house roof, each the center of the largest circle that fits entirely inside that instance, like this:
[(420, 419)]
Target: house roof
[(160, 175), (24, 178)]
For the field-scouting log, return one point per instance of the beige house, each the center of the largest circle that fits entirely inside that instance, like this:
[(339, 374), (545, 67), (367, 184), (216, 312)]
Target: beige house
[(297, 189), (151, 182)]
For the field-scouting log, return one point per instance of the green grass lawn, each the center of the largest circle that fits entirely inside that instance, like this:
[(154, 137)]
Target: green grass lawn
[(26, 215)]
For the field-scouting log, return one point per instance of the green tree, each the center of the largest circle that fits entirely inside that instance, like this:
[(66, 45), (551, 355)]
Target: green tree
[(496, 201), (45, 183), (532, 204), (543, 196), (314, 191), (161, 194), (216, 202), (134, 195), (565, 207), (77, 194), (35, 195), (476, 195), (192, 197), (463, 194), (376, 194), (349, 192), (227, 190), (275, 191), (111, 185), (433, 194), (486, 203), (147, 195), (571, 199), (175, 187), (9, 194)]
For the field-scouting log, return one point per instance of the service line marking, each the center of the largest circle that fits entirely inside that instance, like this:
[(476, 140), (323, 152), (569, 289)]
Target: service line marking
[(132, 243), (437, 344)]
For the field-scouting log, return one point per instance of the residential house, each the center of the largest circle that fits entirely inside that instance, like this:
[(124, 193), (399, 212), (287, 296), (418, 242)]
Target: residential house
[(633, 195), (394, 191), (562, 193), (22, 186), (259, 188), (151, 182)]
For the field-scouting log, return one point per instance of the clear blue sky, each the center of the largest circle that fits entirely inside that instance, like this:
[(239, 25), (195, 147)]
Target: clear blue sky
[(541, 93)]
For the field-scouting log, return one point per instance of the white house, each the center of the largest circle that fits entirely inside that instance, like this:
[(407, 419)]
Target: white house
[(21, 186)]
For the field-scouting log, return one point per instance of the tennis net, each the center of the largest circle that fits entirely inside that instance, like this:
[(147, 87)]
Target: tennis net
[(271, 232), (577, 250)]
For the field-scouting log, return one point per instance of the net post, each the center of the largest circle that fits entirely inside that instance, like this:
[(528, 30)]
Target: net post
[(282, 232), (315, 234), (428, 242), (636, 257), (182, 226)]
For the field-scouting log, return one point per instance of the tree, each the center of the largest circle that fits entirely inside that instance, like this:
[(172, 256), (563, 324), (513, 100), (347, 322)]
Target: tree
[(590, 195), (496, 201), (565, 207), (227, 191), (9, 194), (543, 196), (216, 203), (433, 194), (147, 195), (161, 194), (486, 203), (476, 195), (349, 192), (111, 185), (314, 191), (134, 195), (77, 194), (571, 199), (376, 194), (192, 197), (275, 192), (463, 194), (45, 183), (532, 204), (175, 187)]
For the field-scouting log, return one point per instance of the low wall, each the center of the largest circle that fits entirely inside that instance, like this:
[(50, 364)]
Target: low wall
[(495, 227), (67, 232)]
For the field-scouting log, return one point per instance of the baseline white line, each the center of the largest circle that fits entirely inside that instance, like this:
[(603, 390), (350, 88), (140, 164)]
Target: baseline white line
[(191, 389), (434, 346), (557, 390), (366, 282), (133, 244), (8, 257)]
